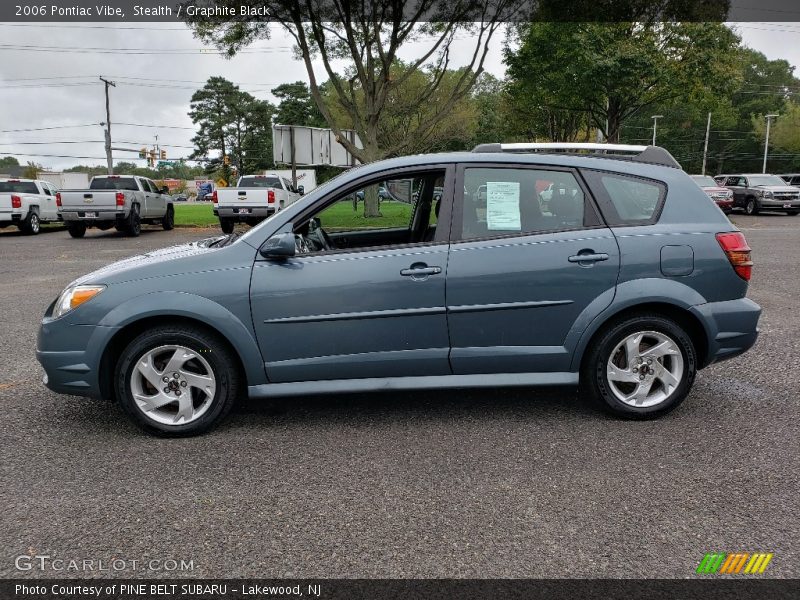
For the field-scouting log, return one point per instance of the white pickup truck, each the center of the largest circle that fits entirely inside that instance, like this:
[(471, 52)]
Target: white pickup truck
[(27, 203), (254, 198), (121, 201)]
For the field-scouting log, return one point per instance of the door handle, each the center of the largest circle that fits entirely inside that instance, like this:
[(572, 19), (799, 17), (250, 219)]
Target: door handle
[(420, 270), (588, 256)]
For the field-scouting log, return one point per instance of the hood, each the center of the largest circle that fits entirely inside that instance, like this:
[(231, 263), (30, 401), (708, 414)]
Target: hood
[(166, 258), (777, 188)]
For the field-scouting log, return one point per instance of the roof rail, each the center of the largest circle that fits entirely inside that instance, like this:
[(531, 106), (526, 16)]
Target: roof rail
[(655, 155)]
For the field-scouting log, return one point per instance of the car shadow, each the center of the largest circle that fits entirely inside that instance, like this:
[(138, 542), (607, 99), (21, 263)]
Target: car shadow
[(13, 230)]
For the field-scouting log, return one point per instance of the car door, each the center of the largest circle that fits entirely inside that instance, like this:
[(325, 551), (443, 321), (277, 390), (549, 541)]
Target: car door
[(371, 306), (739, 187), (518, 275), (48, 211)]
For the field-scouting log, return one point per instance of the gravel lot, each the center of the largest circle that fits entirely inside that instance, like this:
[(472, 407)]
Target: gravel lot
[(522, 483)]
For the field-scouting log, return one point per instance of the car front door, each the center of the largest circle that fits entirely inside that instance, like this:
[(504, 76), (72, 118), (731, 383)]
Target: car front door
[(520, 275), (371, 304)]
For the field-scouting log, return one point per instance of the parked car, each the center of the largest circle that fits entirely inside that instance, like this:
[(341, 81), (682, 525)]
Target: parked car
[(792, 179), (27, 203), (628, 287), (723, 197), (254, 198), (121, 201), (180, 198), (756, 192)]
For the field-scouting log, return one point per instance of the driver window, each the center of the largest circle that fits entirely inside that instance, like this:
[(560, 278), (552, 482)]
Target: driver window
[(386, 212)]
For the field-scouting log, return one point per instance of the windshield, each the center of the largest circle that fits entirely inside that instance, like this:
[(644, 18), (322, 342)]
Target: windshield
[(19, 187), (766, 180), (704, 180), (260, 182), (113, 183)]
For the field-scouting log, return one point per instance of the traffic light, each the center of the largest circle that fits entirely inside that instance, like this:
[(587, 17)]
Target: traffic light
[(163, 155), (142, 152)]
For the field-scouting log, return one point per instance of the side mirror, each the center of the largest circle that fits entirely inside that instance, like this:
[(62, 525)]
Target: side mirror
[(280, 245), (301, 190)]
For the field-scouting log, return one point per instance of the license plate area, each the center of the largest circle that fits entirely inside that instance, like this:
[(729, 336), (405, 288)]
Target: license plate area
[(90, 215), (244, 211), (787, 205)]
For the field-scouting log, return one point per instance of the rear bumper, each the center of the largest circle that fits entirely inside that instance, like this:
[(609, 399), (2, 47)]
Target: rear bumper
[(10, 217), (102, 215), (235, 212), (732, 327)]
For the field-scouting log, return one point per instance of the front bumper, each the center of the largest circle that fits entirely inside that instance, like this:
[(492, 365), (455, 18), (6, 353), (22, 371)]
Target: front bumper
[(71, 356), (242, 213), (778, 203), (732, 327)]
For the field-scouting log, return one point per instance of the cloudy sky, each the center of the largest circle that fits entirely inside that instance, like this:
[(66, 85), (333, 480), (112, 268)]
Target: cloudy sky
[(156, 75)]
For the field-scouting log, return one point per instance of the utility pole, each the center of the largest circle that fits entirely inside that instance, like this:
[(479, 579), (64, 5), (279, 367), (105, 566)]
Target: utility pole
[(655, 126), (705, 147), (766, 142), (109, 159)]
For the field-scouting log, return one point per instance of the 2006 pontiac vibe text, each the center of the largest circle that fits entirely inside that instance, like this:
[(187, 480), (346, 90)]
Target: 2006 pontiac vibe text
[(597, 265)]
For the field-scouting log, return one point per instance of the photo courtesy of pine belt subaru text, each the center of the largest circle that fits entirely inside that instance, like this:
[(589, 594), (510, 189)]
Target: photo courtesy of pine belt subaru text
[(598, 265)]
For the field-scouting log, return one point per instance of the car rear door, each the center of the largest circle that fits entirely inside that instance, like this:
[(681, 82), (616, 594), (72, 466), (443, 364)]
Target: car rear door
[(520, 276), (48, 208)]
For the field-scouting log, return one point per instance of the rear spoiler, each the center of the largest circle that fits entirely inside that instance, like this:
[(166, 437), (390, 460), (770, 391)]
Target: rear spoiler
[(654, 155)]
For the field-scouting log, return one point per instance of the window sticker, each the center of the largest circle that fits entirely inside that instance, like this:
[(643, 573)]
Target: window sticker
[(502, 206)]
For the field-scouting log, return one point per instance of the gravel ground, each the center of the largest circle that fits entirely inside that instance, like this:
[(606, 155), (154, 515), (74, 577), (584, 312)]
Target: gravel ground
[(521, 483)]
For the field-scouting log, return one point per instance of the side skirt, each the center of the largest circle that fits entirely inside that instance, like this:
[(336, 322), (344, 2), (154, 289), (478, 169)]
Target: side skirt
[(380, 384)]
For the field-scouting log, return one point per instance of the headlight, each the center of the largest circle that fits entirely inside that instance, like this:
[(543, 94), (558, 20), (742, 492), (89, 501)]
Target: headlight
[(768, 194), (72, 297)]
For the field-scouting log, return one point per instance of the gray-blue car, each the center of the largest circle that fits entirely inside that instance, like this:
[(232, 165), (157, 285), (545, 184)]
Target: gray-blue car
[(627, 283)]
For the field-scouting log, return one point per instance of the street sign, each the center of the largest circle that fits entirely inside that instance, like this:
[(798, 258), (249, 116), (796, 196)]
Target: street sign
[(312, 146), (222, 183)]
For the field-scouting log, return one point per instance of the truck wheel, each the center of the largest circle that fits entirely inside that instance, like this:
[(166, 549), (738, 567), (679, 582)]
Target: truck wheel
[(177, 380), (76, 229), (226, 225), (134, 222), (31, 225), (751, 206), (640, 368), (168, 222)]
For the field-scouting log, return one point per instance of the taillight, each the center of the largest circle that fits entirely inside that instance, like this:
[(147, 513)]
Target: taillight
[(271, 196), (58, 199), (16, 202), (214, 198), (120, 199), (738, 252)]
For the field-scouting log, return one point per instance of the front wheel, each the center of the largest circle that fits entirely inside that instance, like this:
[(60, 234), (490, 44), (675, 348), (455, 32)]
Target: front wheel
[(751, 206), (640, 368), (168, 222), (177, 381), (76, 229), (226, 225)]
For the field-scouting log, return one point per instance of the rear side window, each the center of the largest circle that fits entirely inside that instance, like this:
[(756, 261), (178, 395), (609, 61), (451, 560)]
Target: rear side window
[(18, 187), (114, 183), (505, 201), (627, 200)]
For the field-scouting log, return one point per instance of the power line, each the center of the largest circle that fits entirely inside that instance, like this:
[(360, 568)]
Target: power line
[(48, 128)]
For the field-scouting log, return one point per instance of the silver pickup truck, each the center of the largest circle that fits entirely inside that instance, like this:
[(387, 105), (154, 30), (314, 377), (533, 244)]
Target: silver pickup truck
[(27, 203), (120, 201)]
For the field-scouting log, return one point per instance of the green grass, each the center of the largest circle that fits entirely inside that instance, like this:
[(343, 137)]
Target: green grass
[(339, 217), (194, 215), (342, 217)]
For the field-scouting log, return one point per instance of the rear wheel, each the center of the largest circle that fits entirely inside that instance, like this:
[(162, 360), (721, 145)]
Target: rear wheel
[(177, 380), (641, 367), (76, 229), (134, 222), (226, 225), (168, 222), (31, 225)]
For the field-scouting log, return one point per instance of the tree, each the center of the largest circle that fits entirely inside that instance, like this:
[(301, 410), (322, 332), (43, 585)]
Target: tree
[(577, 75), (296, 106), (370, 40), (31, 170), (785, 130), (8, 161)]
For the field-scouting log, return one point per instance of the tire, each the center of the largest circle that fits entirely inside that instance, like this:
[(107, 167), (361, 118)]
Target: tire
[(31, 224), (609, 355), (134, 225), (211, 361), (226, 225), (76, 229), (168, 222), (751, 206)]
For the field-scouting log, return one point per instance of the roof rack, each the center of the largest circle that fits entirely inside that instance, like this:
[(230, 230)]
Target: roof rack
[(654, 155)]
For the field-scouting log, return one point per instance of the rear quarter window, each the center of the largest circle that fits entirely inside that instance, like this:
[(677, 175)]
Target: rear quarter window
[(626, 199)]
